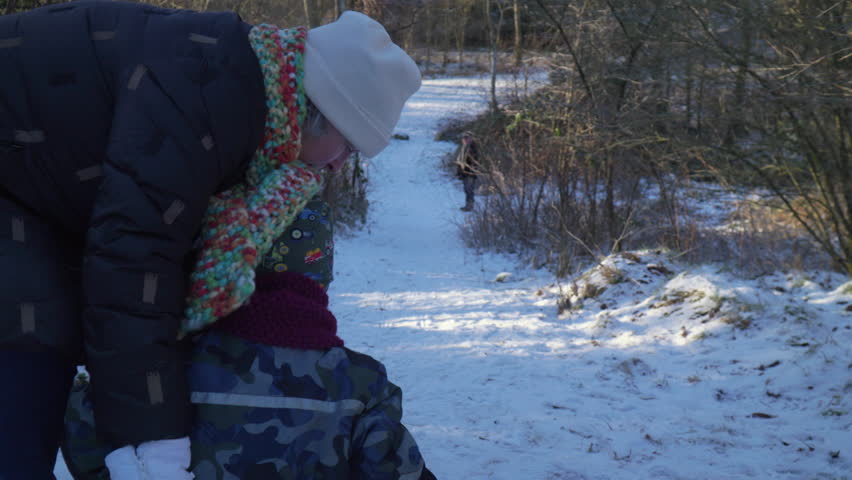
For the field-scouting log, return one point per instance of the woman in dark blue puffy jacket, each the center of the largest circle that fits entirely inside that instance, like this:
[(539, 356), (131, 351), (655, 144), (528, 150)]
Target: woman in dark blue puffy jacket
[(148, 158)]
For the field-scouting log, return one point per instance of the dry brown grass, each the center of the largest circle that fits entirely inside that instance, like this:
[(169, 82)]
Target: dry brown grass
[(756, 236), (768, 236)]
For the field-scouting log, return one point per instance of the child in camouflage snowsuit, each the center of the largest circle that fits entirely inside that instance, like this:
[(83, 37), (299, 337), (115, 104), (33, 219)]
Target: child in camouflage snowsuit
[(277, 396)]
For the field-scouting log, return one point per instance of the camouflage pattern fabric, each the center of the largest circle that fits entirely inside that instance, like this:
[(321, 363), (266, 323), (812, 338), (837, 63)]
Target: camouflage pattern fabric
[(82, 449), (266, 412), (273, 412)]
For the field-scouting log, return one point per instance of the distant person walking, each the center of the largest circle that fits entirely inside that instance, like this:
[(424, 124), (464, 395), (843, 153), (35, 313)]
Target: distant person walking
[(467, 167)]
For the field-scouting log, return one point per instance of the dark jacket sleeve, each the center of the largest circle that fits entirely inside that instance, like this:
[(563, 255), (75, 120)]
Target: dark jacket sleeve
[(382, 447), (158, 177)]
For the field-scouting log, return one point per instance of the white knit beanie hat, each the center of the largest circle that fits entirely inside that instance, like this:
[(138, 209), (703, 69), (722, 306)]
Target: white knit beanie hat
[(359, 79)]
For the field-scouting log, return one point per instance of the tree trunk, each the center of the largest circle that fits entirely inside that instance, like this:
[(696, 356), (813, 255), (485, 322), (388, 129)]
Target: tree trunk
[(493, 40), (462, 18), (592, 198), (493, 56), (10, 6), (609, 200), (518, 51), (699, 114), (460, 46), (307, 6), (409, 37), (736, 128), (430, 27), (688, 87), (446, 38)]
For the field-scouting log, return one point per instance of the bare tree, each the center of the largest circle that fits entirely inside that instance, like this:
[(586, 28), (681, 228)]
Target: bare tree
[(10, 7), (463, 9), (447, 12), (516, 7), (429, 27), (307, 7), (494, 43)]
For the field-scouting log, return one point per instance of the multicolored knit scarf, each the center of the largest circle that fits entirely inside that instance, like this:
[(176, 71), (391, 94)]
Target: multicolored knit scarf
[(241, 222)]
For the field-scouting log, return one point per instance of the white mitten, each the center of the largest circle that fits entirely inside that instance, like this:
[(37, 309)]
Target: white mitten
[(123, 464), (166, 459), (156, 460)]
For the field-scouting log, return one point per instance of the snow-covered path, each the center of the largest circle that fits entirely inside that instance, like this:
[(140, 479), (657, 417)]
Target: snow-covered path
[(659, 371), (409, 293), (498, 386)]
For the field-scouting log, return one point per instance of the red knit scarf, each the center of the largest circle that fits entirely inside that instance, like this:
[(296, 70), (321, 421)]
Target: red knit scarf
[(286, 310)]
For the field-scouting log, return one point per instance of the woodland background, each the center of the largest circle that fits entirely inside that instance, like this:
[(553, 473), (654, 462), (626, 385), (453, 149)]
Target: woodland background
[(651, 105)]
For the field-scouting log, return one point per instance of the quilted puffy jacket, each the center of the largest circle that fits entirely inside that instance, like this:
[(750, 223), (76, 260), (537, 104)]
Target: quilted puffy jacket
[(118, 121)]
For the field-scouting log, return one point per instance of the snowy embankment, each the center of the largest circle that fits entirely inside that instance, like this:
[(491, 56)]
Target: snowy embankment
[(666, 371), (652, 370)]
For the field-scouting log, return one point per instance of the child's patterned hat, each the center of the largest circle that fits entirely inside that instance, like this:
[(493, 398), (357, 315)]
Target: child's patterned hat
[(306, 247)]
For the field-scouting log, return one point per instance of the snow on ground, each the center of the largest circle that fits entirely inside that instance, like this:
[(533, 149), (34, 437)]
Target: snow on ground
[(647, 369)]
